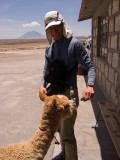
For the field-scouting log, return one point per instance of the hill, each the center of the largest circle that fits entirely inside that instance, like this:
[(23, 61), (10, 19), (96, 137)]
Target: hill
[(32, 35)]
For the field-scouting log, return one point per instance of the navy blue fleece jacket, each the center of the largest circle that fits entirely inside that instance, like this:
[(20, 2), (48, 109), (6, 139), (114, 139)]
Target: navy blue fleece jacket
[(71, 52)]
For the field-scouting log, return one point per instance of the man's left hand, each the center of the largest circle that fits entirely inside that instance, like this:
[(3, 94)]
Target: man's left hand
[(87, 93)]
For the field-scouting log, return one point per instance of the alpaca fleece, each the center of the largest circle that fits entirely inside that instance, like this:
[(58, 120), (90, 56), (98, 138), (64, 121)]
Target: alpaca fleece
[(55, 110)]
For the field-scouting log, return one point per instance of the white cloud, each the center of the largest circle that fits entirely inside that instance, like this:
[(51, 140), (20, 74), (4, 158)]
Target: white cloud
[(32, 24)]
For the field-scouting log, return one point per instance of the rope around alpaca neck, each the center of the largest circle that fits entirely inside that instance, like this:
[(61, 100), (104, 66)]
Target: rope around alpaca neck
[(48, 134)]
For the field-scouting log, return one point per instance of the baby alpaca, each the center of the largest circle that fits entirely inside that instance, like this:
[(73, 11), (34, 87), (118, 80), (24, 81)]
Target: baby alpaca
[(56, 109)]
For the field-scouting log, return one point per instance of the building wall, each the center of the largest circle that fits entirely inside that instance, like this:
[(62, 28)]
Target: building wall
[(108, 67)]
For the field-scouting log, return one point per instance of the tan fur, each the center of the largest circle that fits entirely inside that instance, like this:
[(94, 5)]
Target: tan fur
[(56, 109)]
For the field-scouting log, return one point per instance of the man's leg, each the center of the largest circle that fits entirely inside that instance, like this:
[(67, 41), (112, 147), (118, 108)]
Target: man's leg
[(67, 137), (68, 140)]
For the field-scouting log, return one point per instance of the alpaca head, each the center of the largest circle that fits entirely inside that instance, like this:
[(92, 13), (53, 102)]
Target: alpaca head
[(58, 107)]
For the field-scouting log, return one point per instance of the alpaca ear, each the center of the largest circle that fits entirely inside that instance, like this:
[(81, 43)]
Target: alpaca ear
[(42, 96)]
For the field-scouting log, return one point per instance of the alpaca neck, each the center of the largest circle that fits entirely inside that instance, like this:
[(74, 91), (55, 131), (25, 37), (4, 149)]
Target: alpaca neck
[(44, 135)]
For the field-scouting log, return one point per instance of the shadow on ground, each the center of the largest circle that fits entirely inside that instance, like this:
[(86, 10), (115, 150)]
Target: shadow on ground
[(107, 148)]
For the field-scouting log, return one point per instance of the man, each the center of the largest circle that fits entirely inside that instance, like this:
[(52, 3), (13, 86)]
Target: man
[(70, 52)]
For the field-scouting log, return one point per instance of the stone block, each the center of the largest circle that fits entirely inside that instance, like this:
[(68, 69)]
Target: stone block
[(110, 9), (106, 70), (109, 58), (107, 86), (113, 94), (119, 43), (111, 24), (109, 41), (115, 60), (116, 81), (114, 42), (111, 75), (102, 67), (100, 75), (117, 23), (115, 7), (103, 80)]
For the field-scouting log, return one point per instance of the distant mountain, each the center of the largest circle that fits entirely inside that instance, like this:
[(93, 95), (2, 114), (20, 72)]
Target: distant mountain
[(83, 38), (32, 35)]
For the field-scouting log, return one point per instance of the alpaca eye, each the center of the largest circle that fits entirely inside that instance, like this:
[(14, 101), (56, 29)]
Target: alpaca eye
[(67, 106)]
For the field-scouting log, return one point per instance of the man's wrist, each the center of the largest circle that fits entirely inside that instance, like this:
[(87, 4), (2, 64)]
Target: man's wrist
[(90, 85)]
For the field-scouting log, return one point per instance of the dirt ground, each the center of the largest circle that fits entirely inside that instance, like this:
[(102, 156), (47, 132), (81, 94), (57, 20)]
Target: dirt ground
[(21, 66), (19, 50)]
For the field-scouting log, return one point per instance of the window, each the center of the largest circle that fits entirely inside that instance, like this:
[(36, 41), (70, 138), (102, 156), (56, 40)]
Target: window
[(104, 37)]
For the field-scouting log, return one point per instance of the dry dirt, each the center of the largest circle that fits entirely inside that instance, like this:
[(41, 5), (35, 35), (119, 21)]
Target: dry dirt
[(21, 66), (19, 50)]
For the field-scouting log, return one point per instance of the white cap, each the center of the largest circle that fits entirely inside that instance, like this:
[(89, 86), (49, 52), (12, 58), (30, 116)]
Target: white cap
[(52, 18), (55, 18)]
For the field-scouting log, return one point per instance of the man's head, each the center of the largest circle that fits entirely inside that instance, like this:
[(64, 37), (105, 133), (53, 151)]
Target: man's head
[(52, 18), (56, 31), (55, 26)]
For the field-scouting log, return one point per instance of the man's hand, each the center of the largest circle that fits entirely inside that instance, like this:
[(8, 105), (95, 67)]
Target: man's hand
[(42, 89), (87, 93), (42, 92)]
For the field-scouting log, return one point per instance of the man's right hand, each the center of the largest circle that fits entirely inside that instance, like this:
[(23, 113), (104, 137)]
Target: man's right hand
[(42, 89)]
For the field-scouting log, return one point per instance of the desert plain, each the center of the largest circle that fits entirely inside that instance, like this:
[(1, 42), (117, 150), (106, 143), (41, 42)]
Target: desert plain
[(21, 66), (22, 49)]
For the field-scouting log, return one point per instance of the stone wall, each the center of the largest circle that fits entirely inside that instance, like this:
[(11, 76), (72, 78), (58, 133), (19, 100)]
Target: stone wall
[(108, 70)]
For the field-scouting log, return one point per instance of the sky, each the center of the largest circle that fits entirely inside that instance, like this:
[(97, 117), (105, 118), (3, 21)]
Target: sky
[(20, 16)]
